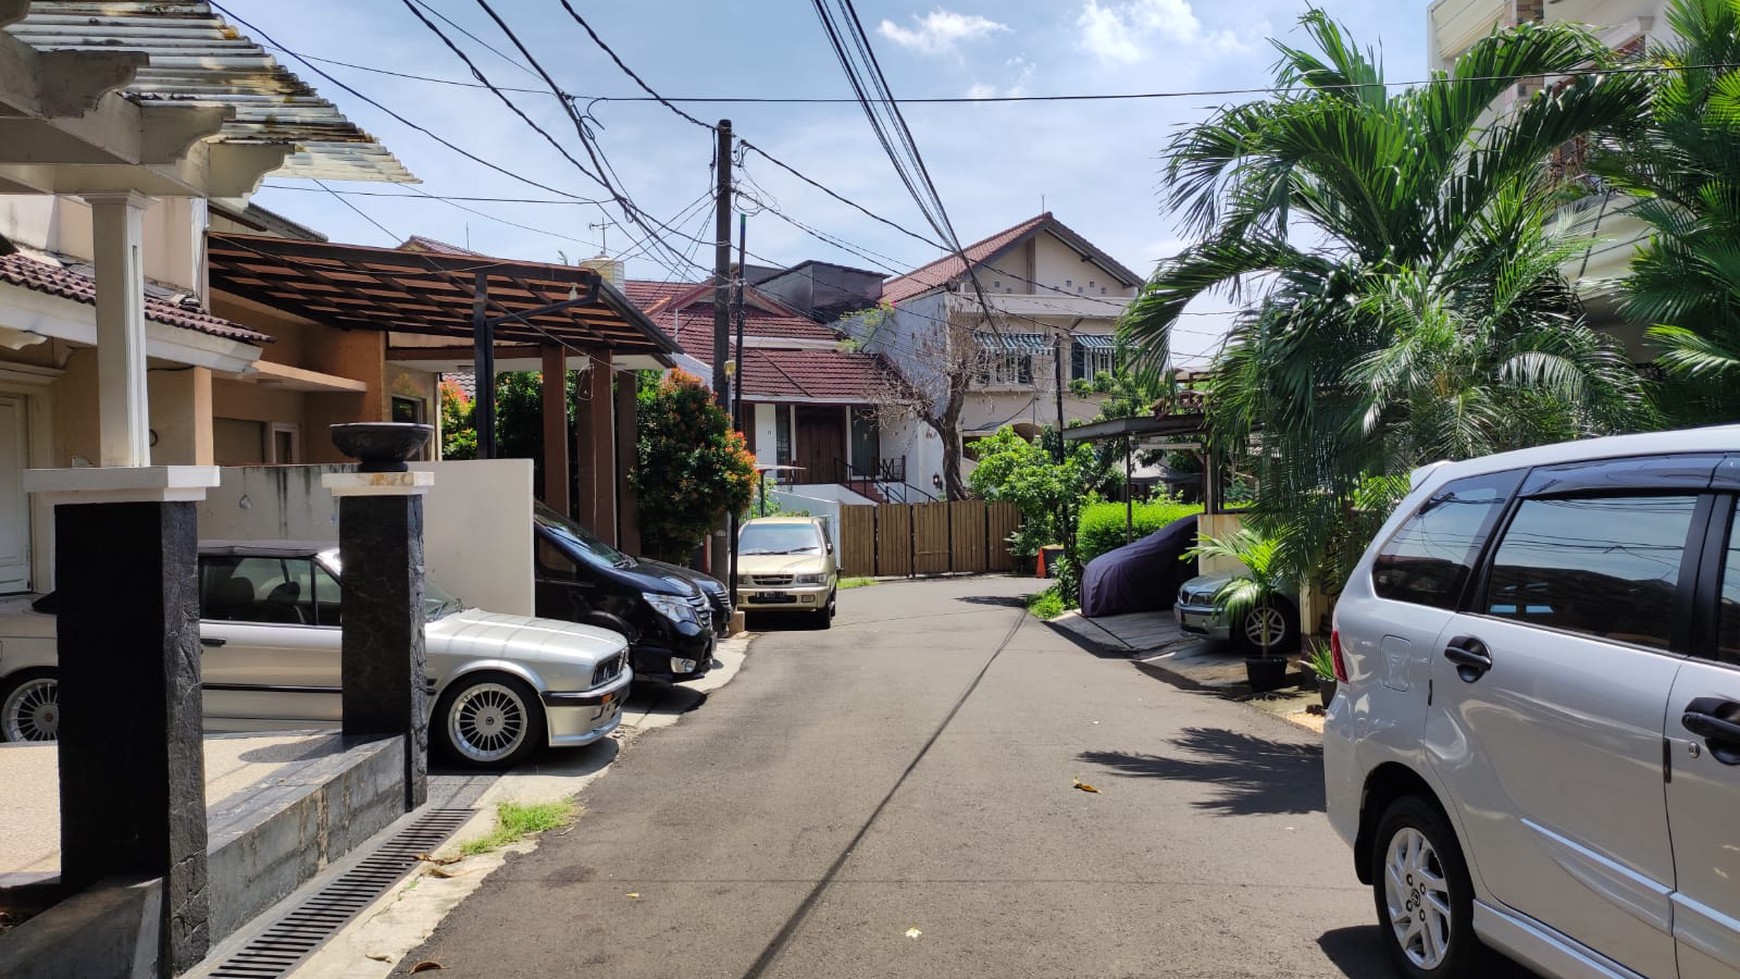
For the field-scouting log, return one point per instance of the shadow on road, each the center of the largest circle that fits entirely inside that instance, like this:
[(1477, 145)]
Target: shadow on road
[(1255, 774), (1006, 601), (663, 698), (1357, 952)]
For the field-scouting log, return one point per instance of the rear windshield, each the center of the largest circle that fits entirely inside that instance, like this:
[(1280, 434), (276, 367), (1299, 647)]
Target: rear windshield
[(779, 538)]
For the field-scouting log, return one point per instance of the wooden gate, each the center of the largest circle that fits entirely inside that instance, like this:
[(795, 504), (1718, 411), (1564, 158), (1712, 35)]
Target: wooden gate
[(966, 536)]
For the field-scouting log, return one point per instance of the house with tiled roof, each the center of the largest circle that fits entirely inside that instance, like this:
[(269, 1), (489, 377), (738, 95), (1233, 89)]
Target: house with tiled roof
[(1043, 311), (811, 398)]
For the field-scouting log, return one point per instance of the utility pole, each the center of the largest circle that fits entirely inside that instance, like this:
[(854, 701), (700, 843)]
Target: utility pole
[(737, 384), (722, 265), (1057, 365)]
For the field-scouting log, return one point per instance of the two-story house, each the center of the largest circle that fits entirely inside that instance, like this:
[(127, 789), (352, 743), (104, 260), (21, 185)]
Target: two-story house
[(1042, 315), (1596, 213)]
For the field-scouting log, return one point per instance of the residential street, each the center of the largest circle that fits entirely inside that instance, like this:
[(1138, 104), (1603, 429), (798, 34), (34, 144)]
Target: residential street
[(896, 797)]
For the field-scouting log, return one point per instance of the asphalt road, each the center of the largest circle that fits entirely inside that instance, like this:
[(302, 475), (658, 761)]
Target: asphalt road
[(895, 797)]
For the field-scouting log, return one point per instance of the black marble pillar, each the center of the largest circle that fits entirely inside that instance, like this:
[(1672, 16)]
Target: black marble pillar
[(380, 541), (132, 767)]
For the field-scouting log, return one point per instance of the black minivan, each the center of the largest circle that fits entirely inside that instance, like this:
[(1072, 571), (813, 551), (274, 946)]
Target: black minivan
[(667, 617)]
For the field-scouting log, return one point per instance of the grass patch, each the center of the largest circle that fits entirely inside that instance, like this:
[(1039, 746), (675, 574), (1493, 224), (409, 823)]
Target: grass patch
[(857, 582), (1048, 604), (514, 821)]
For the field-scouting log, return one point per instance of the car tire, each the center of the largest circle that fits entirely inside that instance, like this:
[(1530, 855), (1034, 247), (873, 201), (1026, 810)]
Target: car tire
[(1424, 898), (30, 706), (1246, 633), (824, 619), (489, 720)]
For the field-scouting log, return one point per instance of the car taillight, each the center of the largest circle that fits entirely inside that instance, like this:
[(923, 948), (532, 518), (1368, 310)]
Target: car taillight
[(1335, 655)]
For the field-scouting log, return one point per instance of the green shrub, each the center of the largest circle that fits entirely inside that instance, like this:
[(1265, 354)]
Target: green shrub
[(1102, 524)]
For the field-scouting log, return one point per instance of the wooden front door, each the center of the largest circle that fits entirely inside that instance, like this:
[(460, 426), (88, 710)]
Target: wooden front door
[(821, 444)]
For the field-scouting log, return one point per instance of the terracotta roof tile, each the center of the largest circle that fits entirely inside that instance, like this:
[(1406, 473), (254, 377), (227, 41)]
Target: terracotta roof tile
[(825, 375), (418, 243), (944, 269), (57, 280)]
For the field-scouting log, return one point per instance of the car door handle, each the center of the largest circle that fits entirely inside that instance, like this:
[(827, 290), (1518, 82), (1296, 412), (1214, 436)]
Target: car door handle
[(1471, 657), (1717, 721), (212, 641)]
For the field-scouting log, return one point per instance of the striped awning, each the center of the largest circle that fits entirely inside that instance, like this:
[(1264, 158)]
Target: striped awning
[(1019, 343), (1096, 341)]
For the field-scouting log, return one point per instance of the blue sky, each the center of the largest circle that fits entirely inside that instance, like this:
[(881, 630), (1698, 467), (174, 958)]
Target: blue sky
[(1093, 164)]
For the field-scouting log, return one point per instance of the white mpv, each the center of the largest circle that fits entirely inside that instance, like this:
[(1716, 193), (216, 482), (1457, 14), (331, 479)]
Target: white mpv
[(1535, 743)]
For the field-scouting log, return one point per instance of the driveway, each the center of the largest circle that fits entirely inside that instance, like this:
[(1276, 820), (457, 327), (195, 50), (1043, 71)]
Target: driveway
[(896, 797)]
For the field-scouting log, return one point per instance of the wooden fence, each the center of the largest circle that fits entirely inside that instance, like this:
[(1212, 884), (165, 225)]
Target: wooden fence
[(927, 538)]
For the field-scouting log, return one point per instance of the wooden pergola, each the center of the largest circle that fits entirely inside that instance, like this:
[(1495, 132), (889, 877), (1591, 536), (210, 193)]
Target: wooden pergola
[(457, 311)]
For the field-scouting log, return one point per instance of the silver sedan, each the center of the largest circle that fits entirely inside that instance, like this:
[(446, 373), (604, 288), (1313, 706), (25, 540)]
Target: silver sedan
[(501, 685)]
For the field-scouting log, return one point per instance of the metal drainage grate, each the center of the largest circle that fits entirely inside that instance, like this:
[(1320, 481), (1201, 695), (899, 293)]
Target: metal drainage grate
[(297, 935)]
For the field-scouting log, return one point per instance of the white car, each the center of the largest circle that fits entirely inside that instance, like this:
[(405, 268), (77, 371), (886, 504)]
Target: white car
[(500, 685), (1534, 743)]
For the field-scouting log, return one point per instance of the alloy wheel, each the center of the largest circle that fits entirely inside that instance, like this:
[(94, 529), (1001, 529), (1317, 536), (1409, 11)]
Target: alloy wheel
[(1265, 620), (1417, 894), (32, 710), (487, 722)]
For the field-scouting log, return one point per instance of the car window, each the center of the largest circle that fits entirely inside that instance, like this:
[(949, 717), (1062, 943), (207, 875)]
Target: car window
[(1432, 555), (1728, 623), (1604, 566), (554, 561), (257, 589), (779, 538), (328, 600)]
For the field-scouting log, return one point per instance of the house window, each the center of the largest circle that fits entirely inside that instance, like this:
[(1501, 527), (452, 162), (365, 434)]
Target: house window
[(782, 434), (1090, 356), (1006, 359)]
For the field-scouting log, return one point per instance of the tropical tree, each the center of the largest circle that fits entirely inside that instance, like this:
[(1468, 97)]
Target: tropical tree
[(691, 468), (1684, 165), (1406, 299)]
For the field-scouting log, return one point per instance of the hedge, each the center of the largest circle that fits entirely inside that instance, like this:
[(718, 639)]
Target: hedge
[(1102, 524)]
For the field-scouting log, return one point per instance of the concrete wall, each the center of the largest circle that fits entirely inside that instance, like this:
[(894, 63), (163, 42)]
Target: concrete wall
[(1061, 267), (766, 434), (173, 244), (477, 522)]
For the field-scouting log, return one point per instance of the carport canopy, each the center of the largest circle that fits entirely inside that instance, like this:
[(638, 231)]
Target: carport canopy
[(437, 295)]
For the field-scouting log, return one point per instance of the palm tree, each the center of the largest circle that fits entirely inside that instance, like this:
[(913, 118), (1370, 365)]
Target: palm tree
[(1684, 164), (1408, 299), (1254, 602)]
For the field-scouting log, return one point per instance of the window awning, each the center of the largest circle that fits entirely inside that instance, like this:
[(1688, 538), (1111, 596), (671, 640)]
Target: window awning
[(1096, 341), (1016, 343)]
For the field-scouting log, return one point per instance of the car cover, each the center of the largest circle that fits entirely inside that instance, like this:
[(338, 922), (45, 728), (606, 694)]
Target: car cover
[(1141, 576)]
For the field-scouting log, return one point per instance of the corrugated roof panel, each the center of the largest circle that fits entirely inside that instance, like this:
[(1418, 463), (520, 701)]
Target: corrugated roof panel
[(199, 58)]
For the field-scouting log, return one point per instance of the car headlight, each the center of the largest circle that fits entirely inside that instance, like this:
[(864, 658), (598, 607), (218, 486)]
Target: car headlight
[(807, 579), (670, 606)]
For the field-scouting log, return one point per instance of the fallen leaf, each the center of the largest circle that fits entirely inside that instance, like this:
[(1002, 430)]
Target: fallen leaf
[(443, 872), (426, 858), (427, 965), (380, 956), (913, 933), (1084, 786), (634, 895)]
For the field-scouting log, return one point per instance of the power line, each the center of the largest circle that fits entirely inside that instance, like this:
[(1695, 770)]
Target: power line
[(421, 194), (648, 89)]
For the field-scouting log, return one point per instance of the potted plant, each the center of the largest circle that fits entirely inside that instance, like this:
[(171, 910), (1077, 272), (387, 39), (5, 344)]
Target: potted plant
[(1254, 603), (1319, 664)]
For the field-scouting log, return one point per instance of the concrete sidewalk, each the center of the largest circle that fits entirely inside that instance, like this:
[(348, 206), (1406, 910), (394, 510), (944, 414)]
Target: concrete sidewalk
[(1158, 647)]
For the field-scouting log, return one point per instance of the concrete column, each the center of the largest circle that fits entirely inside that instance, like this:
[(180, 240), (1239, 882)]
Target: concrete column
[(123, 411), (556, 428), (382, 661), (603, 446), (585, 466), (627, 456), (132, 764)]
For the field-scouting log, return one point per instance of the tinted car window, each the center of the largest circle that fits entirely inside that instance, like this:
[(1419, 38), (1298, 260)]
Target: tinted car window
[(1728, 625), (1432, 555), (257, 589), (1603, 566)]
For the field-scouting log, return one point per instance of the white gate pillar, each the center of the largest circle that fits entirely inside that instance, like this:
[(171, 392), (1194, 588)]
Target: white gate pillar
[(123, 407)]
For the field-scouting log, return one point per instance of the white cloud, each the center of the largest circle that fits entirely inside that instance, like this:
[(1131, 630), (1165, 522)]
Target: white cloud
[(1117, 32), (940, 30), (1023, 69), (982, 91)]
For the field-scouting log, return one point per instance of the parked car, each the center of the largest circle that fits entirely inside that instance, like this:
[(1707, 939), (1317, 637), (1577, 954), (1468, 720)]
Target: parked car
[(1277, 622), (661, 609), (786, 565), (270, 632), (1535, 739)]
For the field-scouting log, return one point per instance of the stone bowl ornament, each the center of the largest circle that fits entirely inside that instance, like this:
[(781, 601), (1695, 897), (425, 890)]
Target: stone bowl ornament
[(381, 447)]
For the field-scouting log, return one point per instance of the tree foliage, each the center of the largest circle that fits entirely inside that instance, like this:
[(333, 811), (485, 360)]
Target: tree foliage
[(1681, 166), (1404, 299), (691, 467)]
